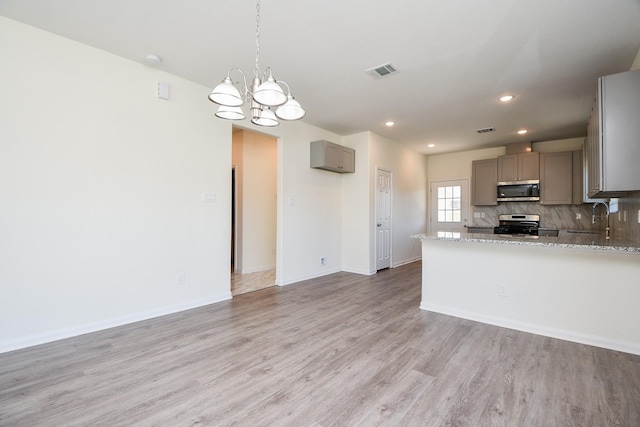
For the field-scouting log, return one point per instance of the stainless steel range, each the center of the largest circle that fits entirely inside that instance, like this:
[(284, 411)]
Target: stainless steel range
[(518, 225)]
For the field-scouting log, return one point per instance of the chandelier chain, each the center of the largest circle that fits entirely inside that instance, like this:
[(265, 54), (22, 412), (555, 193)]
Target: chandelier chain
[(257, 70)]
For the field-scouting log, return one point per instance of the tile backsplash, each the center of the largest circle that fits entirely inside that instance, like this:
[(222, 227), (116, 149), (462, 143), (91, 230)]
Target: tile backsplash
[(629, 229), (561, 217), (568, 217)]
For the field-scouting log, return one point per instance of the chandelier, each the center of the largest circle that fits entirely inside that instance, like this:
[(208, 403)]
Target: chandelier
[(264, 94)]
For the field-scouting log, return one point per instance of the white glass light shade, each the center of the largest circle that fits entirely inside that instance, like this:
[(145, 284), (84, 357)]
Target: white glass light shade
[(291, 110), (270, 93), (230, 113), (226, 94), (265, 118)]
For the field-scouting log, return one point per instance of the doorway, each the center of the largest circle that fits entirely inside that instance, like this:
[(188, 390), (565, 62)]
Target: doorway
[(253, 211), (449, 206), (383, 218)]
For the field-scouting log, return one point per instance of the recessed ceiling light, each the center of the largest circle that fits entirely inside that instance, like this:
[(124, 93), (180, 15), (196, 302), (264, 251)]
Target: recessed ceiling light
[(522, 131), (506, 98), (389, 123), (431, 145)]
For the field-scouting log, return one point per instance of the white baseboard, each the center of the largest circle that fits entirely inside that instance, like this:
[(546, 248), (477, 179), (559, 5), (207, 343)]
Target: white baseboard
[(409, 261), (563, 334), (363, 272), (46, 337), (310, 276)]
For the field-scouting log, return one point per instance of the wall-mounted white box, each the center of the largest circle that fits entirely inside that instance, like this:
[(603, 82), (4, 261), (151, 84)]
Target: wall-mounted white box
[(163, 90)]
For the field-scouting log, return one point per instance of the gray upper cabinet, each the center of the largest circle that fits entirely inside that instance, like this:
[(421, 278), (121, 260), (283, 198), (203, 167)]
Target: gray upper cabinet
[(556, 178), (332, 157), (519, 167), (484, 177), (613, 137), (578, 178)]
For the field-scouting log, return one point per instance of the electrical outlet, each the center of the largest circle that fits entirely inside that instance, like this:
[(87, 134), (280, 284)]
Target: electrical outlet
[(503, 291), (323, 261), (208, 197), (578, 215), (181, 278)]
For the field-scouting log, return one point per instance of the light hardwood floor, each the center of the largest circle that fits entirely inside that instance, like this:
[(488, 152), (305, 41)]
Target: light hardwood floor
[(342, 350), (243, 283)]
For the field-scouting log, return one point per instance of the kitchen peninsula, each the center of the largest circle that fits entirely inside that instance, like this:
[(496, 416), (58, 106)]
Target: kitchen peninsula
[(577, 287)]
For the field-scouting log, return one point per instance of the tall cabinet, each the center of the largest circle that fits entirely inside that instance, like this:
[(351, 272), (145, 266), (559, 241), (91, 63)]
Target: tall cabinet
[(613, 136)]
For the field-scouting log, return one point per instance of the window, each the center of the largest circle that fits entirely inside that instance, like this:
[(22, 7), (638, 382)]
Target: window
[(449, 202)]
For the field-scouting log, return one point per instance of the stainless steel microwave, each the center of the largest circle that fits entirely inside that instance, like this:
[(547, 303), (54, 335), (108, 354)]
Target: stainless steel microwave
[(519, 191)]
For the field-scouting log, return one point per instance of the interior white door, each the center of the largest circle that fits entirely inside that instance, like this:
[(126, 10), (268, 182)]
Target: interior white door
[(383, 219), (449, 206)]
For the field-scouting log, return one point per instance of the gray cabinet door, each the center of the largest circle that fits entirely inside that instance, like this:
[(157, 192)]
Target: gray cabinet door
[(347, 160), (613, 134), (484, 178), (518, 167), (556, 178), (528, 166), (508, 168)]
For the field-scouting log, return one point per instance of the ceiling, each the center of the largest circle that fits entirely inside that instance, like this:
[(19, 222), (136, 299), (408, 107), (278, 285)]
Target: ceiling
[(455, 57)]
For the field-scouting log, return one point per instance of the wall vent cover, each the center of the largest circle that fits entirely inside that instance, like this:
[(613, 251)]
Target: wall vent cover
[(486, 130), (384, 70)]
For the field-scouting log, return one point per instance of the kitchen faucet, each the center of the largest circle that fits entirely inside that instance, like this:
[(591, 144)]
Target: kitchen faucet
[(593, 216)]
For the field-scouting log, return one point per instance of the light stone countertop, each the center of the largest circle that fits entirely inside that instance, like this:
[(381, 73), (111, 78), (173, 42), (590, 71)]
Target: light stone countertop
[(566, 239)]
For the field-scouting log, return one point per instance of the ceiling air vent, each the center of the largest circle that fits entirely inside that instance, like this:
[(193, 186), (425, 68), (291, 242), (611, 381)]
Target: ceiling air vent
[(381, 71), (486, 130)]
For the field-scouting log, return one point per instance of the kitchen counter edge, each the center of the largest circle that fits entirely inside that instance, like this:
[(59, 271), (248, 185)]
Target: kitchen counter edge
[(597, 243)]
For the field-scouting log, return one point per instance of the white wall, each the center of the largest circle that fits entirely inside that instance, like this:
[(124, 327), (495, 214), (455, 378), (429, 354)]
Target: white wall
[(636, 62), (558, 145), (443, 167), (358, 218), (309, 207), (409, 214), (101, 189), (256, 180), (309, 218)]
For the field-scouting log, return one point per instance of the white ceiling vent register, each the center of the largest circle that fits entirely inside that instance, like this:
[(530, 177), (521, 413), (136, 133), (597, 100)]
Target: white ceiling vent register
[(485, 130), (384, 70)]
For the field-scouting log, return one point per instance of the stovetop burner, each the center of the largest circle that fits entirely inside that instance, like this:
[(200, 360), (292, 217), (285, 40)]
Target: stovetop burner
[(518, 224)]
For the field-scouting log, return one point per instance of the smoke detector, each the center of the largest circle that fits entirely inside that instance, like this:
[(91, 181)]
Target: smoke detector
[(384, 70), (152, 60)]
